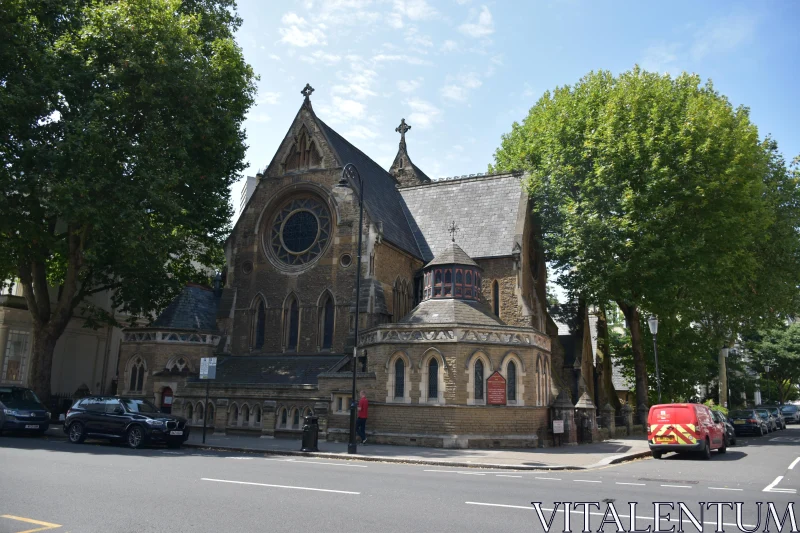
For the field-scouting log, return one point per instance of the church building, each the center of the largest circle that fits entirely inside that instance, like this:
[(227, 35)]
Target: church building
[(455, 346)]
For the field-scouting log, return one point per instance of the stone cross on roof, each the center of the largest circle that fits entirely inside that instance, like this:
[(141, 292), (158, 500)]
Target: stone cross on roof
[(307, 90), (402, 129), (453, 229)]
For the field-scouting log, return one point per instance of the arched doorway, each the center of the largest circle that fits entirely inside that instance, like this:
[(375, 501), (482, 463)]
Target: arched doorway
[(166, 400)]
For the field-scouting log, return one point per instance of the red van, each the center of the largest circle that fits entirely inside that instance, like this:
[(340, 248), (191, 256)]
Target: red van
[(684, 427)]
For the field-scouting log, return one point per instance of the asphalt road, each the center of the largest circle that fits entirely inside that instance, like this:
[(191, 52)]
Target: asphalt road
[(108, 488)]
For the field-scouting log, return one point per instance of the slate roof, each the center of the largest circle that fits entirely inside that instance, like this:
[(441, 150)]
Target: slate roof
[(452, 255), (382, 200), (273, 369), (485, 209), (194, 308), (451, 311)]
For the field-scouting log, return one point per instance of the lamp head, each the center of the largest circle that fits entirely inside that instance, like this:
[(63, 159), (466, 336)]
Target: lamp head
[(653, 323)]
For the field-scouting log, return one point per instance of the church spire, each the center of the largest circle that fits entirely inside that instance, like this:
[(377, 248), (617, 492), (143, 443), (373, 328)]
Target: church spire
[(406, 173)]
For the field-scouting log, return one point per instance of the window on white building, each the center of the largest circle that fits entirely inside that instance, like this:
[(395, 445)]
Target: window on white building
[(16, 356)]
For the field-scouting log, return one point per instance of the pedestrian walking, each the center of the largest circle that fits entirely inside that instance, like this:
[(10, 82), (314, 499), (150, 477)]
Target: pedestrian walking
[(361, 422)]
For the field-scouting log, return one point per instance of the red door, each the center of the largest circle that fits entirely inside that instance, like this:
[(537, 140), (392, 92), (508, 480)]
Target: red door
[(166, 400)]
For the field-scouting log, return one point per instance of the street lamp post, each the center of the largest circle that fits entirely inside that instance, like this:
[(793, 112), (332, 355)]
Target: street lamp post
[(653, 323), (350, 171), (769, 382), (726, 387)]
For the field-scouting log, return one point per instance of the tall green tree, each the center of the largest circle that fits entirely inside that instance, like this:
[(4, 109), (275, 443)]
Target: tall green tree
[(779, 348), (120, 135), (649, 190)]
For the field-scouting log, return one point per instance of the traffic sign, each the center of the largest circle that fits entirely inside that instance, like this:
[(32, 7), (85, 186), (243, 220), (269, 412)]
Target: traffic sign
[(208, 368)]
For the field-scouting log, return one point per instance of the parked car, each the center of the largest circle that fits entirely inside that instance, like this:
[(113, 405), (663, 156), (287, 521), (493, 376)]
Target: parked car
[(131, 420), (772, 423), (747, 421), (780, 421), (791, 413), (684, 427), (730, 433), (21, 410)]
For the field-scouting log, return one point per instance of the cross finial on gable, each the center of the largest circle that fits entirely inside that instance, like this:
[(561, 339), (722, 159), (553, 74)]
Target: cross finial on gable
[(307, 90), (402, 129), (453, 230)]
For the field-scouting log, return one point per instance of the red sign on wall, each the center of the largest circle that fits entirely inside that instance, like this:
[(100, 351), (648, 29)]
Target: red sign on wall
[(496, 389)]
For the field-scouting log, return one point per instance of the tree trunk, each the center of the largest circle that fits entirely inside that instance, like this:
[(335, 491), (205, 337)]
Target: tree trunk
[(605, 356), (639, 364), (44, 344)]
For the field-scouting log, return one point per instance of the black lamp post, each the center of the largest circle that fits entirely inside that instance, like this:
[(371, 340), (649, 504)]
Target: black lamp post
[(653, 323), (727, 388), (350, 171), (769, 383)]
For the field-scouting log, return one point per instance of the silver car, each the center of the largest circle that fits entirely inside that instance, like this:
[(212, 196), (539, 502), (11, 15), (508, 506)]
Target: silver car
[(791, 413)]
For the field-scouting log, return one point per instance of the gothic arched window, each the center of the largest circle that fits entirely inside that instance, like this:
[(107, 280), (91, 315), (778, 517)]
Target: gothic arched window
[(137, 373), (511, 381), (209, 413), (246, 414), (399, 378), (479, 380), (292, 323), (261, 323), (433, 379), (326, 322)]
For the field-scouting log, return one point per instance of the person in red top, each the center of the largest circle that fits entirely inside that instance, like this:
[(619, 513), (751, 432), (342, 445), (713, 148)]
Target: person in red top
[(361, 421)]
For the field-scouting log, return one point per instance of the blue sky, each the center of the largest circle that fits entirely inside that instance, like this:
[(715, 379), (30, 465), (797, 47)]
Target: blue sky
[(462, 71)]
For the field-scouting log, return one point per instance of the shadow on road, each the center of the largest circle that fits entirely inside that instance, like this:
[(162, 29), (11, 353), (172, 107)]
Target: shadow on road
[(96, 447)]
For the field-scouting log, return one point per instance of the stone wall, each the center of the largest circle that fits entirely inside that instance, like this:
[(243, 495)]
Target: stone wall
[(449, 426), (391, 265), (156, 355)]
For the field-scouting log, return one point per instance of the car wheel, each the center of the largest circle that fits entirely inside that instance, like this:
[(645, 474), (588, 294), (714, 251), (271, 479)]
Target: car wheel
[(724, 447), (76, 434), (761, 431), (706, 453), (174, 445), (135, 437), (733, 441), (658, 455)]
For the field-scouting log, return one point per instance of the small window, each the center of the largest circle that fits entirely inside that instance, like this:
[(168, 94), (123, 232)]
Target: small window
[(469, 277), (433, 380), (261, 324), (496, 298), (284, 416), (341, 403), (296, 419), (399, 378), (511, 381), (479, 380)]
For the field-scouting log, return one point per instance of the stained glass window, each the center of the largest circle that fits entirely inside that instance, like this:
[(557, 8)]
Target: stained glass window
[(300, 231), (479, 380), (511, 381), (433, 379), (399, 378)]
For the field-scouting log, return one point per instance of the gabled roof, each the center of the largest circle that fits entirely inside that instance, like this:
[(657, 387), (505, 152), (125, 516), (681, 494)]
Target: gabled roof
[(486, 210), (194, 308), (452, 255), (382, 200)]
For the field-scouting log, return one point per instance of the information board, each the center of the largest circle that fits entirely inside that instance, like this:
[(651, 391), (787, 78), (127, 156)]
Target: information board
[(558, 426), (496, 389), (208, 368)]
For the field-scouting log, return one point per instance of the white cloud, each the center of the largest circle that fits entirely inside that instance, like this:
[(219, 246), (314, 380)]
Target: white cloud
[(458, 92), (360, 132), (275, 57), (449, 46), (411, 60), (395, 20), (348, 109), (409, 86), (423, 114), (358, 82), (321, 57), (270, 98), (415, 38), (482, 27), (298, 32), (414, 9), (661, 58), (723, 35), (259, 117)]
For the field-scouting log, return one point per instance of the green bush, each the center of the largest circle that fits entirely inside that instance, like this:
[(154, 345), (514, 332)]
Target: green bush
[(714, 407)]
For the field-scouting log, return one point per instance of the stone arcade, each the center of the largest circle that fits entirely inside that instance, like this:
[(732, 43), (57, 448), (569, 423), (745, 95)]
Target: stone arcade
[(441, 311)]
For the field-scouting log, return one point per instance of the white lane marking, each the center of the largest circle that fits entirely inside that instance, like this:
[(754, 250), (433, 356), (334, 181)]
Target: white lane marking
[(678, 486), (794, 463), (506, 475), (586, 481), (240, 458), (561, 510), (456, 472), (278, 486), (637, 484), (173, 453), (549, 478), (313, 462), (771, 486), (722, 488)]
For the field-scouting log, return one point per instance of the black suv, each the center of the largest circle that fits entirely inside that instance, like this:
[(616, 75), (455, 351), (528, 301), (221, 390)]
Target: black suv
[(132, 420)]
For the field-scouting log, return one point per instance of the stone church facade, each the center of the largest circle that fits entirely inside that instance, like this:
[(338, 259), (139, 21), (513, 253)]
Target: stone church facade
[(452, 293)]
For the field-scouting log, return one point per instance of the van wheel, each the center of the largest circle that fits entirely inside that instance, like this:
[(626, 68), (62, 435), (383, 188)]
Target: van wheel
[(76, 433), (706, 453), (658, 455)]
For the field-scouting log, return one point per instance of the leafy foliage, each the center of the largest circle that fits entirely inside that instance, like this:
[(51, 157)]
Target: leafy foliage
[(121, 135), (656, 193), (778, 348)]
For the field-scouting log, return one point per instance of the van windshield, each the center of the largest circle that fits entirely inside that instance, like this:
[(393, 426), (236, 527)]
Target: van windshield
[(18, 395)]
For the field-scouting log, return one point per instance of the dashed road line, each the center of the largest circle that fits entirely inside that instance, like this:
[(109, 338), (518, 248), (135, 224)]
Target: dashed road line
[(637, 484), (456, 472), (794, 463), (279, 486), (678, 486), (506, 475), (723, 488), (586, 481), (549, 478)]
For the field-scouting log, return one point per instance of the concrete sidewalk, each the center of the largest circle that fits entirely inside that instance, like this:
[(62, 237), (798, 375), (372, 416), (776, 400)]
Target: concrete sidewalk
[(560, 458)]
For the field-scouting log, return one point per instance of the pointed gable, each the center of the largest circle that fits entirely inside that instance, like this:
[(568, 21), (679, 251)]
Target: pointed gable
[(403, 170)]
